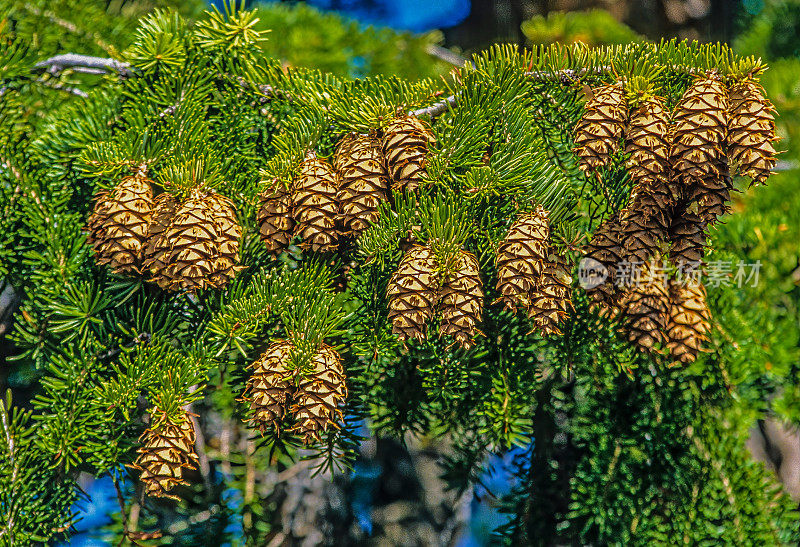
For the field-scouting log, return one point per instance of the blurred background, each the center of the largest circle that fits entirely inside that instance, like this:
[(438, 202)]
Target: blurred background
[(400, 494), (475, 24)]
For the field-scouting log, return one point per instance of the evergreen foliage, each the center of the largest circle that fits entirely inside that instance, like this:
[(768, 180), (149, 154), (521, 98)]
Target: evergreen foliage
[(625, 448)]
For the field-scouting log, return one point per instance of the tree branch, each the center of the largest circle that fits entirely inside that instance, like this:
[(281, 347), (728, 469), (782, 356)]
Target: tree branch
[(102, 65), (436, 109), (58, 63), (566, 76)]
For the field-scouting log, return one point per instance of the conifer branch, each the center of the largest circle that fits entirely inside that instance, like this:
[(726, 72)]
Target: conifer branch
[(503, 145), (102, 65), (566, 76), (436, 109), (58, 63)]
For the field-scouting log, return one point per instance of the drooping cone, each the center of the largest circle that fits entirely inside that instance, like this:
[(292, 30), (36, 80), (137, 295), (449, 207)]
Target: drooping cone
[(156, 251), (604, 253), (203, 243), (319, 396), (364, 184), (462, 301), (226, 263), (689, 321), (713, 193), (413, 293), (521, 258), (600, 129), (551, 297), (315, 206), (701, 121), (688, 238), (648, 143), (118, 224), (751, 131), (270, 387), (167, 449), (646, 307), (275, 217), (642, 234), (405, 143)]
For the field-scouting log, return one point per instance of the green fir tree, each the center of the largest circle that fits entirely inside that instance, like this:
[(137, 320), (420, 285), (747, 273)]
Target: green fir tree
[(202, 235)]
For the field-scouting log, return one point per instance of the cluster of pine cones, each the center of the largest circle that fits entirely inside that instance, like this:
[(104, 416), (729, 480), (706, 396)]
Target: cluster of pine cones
[(313, 398), (680, 164), (167, 449), (530, 276), (325, 202), (180, 244), (416, 293)]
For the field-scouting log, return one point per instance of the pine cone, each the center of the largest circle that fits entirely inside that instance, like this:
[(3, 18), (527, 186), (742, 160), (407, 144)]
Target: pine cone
[(751, 131), (274, 217), (156, 251), (688, 238), (712, 194), (648, 143), (641, 234), (599, 131), (203, 243), (413, 293), (689, 321), (462, 301), (701, 121), (167, 448), (319, 395), (655, 201), (521, 258), (551, 297), (646, 306), (364, 184), (606, 248), (270, 387), (405, 144), (315, 206), (228, 235), (118, 224)]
